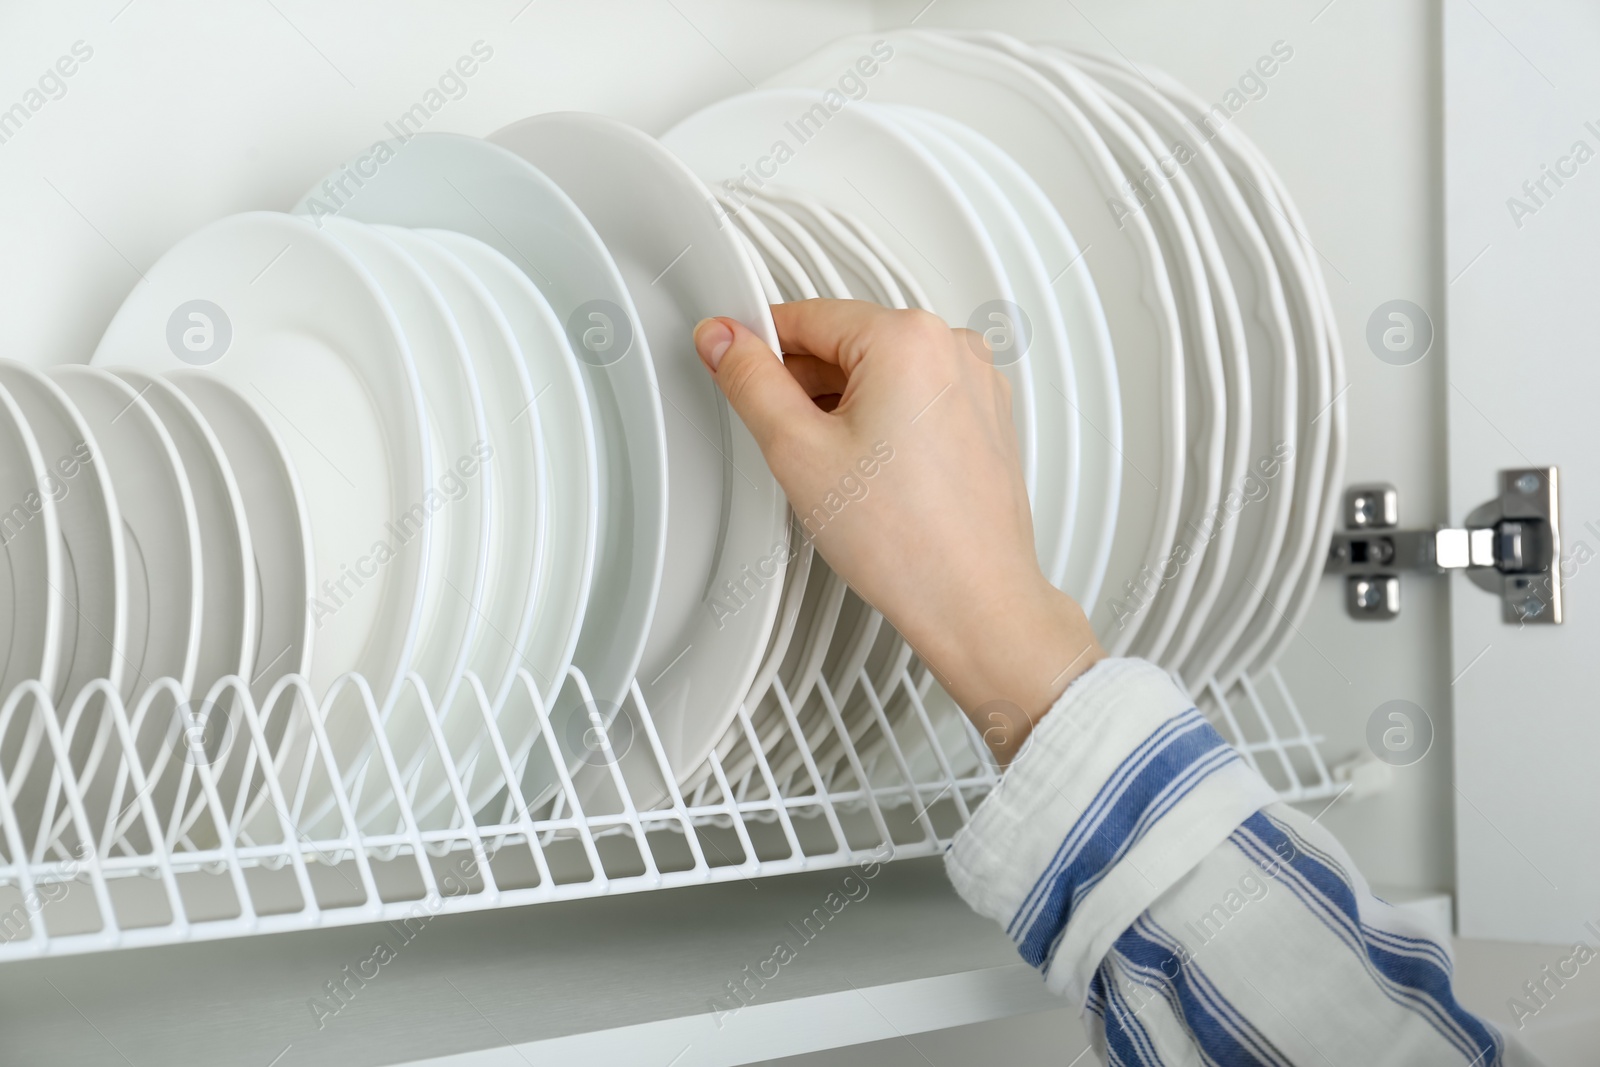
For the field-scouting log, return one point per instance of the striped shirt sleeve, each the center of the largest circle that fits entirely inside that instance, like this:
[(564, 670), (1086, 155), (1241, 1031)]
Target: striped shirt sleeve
[(1154, 879)]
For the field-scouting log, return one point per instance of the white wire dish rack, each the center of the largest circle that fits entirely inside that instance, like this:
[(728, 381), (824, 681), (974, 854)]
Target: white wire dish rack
[(256, 807), (149, 849)]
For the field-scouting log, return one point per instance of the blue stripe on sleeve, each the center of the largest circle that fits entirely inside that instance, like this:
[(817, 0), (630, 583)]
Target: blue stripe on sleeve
[(1174, 791), (1411, 971), (1218, 1029), (1113, 786), (1126, 1037), (1186, 750)]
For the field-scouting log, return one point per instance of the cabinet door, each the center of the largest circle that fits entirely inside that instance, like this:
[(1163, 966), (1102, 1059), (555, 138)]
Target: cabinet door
[(1522, 205)]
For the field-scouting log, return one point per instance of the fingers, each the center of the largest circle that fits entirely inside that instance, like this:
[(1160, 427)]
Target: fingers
[(839, 331), (759, 388), (816, 376)]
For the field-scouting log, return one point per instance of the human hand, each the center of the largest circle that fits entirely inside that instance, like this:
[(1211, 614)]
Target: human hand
[(892, 436)]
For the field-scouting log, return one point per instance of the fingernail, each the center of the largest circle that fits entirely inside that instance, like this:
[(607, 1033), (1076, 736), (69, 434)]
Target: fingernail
[(711, 339)]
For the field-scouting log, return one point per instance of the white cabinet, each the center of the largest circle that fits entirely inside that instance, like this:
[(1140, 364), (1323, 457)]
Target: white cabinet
[(1522, 203), (1401, 132)]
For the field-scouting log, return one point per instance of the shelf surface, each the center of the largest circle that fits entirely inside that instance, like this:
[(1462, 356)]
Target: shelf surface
[(902, 954)]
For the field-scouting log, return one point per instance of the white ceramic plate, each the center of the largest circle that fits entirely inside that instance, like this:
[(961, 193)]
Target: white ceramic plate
[(861, 164), (160, 530), (1310, 420), (94, 582), (728, 519), (33, 601), (1048, 135), (779, 219), (846, 634), (856, 637), (904, 279), (161, 538), (281, 570), (511, 433), (862, 271), (305, 330), (1046, 361), (773, 260), (821, 599), (789, 633), (568, 481), (794, 576), (829, 239), (1093, 365), (1220, 461), (229, 612), (279, 525), (1259, 409), (825, 594), (1311, 455), (843, 265), (841, 250), (799, 565), (1313, 428), (769, 284), (459, 509), (1334, 415), (1161, 198), (473, 187), (1045, 355), (564, 572), (31, 608), (93, 590), (793, 281)]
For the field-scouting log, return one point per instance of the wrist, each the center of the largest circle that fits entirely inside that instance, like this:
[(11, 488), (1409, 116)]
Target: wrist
[(1012, 663)]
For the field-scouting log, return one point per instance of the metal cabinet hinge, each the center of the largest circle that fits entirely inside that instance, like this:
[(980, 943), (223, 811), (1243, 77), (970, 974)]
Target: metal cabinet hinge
[(1510, 546)]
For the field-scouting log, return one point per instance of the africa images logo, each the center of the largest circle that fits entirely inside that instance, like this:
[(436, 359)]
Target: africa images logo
[(51, 85)]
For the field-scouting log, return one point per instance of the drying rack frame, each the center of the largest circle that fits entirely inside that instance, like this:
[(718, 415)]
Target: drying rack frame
[(141, 879)]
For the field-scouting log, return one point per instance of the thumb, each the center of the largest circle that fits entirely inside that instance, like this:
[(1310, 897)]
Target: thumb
[(755, 381)]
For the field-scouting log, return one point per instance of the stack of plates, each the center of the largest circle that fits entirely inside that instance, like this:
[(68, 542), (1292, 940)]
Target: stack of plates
[(1176, 376), (429, 472)]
